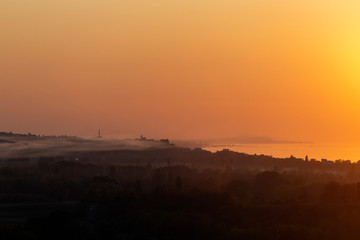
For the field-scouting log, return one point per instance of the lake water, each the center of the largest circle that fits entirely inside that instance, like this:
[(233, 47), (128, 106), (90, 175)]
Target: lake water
[(317, 151)]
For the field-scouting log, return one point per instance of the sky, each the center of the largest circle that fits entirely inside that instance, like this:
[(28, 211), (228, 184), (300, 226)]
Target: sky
[(182, 69)]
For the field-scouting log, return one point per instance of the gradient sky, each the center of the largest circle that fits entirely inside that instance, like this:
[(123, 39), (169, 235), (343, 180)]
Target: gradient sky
[(182, 69)]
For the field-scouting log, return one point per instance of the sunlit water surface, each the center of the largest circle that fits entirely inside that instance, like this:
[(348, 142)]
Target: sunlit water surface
[(316, 151)]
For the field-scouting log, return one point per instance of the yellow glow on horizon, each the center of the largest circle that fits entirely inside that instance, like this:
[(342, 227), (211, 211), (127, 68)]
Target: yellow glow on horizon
[(182, 69)]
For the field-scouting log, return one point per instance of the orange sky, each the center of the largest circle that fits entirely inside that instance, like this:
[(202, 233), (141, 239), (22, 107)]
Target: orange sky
[(182, 69)]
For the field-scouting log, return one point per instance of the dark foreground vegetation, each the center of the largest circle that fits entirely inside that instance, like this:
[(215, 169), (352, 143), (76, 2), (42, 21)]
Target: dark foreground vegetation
[(192, 195)]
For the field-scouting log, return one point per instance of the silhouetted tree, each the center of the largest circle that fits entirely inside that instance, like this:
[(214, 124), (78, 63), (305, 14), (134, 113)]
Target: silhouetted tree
[(138, 187), (331, 192), (178, 183)]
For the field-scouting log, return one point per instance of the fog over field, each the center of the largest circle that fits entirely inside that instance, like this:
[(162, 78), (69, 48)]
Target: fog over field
[(46, 146)]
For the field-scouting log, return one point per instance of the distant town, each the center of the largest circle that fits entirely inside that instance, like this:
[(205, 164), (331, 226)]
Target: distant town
[(143, 188), (30, 135)]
